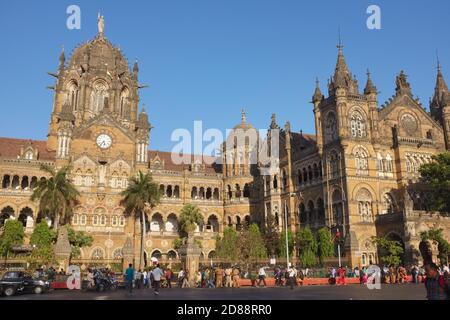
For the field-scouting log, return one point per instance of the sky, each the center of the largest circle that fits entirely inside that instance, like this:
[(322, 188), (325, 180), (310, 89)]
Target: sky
[(208, 59)]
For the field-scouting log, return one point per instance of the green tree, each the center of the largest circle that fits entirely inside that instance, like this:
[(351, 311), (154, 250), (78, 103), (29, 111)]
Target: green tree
[(251, 244), (271, 236), (282, 243), (190, 218), (141, 195), (42, 240), (56, 195), (308, 247), (78, 240), (391, 252), (325, 246), (437, 175), (443, 245), (12, 236), (227, 246)]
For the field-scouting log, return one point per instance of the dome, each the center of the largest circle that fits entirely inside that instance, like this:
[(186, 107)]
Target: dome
[(244, 125), (97, 54)]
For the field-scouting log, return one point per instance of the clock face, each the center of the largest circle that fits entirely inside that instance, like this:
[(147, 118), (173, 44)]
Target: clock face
[(104, 141)]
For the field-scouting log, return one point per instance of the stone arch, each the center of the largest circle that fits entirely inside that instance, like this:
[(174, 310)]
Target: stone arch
[(156, 222), (117, 254), (25, 214), (172, 254), (6, 213), (302, 213), (171, 224), (157, 253), (212, 254), (213, 223), (320, 210)]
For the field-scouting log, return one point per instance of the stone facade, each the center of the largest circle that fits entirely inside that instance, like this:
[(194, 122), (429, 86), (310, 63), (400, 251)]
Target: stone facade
[(358, 173)]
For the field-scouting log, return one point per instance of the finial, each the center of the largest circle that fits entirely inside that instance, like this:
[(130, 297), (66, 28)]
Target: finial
[(438, 61), (368, 73), (339, 46), (143, 108), (100, 24), (243, 116), (317, 82)]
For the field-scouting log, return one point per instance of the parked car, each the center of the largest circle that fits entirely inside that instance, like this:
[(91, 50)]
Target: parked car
[(14, 282)]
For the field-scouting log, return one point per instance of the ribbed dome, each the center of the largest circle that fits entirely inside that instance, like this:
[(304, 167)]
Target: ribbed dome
[(98, 54), (244, 124)]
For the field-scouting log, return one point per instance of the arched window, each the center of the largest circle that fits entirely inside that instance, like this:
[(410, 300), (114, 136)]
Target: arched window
[(75, 219), (124, 104), (246, 191), (388, 203), (238, 191), (320, 211), (114, 221), (213, 223), (157, 223), (72, 95), (305, 175), (122, 221), (388, 166), (284, 177), (208, 193), (361, 161), (176, 192), (364, 199), (117, 254), (95, 220), (99, 98), (171, 255), (216, 195), (25, 214), (357, 126), (275, 182), (6, 213), (311, 212), (330, 127), (83, 219), (337, 209), (333, 164), (172, 223), (302, 212), (194, 193), (299, 176), (156, 254)]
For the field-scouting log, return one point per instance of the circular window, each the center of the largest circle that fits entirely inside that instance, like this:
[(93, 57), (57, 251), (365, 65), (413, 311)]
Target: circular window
[(409, 123)]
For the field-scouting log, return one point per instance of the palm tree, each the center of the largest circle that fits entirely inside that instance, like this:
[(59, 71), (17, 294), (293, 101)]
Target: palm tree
[(140, 195), (56, 194), (190, 218)]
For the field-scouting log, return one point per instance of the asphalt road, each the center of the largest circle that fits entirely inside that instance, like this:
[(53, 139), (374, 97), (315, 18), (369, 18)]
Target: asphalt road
[(349, 292)]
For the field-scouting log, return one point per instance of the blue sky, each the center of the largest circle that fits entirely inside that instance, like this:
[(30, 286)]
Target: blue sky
[(208, 59)]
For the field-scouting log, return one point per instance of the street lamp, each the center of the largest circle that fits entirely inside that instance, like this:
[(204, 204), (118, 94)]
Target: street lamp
[(338, 237)]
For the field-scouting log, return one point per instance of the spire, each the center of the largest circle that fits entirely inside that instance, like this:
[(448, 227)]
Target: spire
[(62, 59), (318, 96), (143, 122), (342, 77), (243, 116), (135, 70), (273, 124), (370, 87), (441, 92)]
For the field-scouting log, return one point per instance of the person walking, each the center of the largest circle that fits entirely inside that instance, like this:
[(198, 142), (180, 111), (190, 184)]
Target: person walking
[(415, 274), (236, 277), (145, 278), (157, 274), (168, 275), (180, 279), (129, 277), (210, 278), (292, 276), (341, 276), (262, 276), (185, 283), (219, 277), (228, 283), (392, 274), (437, 288)]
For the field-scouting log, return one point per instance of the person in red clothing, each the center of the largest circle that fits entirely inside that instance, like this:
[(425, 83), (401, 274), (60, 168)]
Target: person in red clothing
[(341, 276)]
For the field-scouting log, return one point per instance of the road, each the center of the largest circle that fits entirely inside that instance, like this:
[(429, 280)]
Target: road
[(349, 292)]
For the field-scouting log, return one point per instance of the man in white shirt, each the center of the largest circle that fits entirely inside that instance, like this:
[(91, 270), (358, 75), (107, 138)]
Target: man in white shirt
[(262, 276), (157, 274)]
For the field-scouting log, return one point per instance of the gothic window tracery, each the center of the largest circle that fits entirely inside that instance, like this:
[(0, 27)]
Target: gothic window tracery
[(361, 161), (99, 96), (364, 199), (357, 125), (331, 127)]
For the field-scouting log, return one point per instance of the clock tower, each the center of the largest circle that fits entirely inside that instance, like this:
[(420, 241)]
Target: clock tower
[(95, 126)]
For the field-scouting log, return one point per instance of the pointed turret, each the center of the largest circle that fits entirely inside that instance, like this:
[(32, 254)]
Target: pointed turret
[(441, 88), (135, 70), (342, 77), (370, 87), (318, 96), (143, 122)]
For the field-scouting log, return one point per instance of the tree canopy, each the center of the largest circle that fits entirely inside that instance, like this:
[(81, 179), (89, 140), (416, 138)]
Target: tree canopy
[(325, 245), (12, 236), (227, 246), (308, 247), (437, 175), (42, 239), (391, 252), (443, 245), (190, 218)]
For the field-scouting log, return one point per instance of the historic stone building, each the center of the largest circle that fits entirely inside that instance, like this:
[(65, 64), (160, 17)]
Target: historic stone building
[(358, 173)]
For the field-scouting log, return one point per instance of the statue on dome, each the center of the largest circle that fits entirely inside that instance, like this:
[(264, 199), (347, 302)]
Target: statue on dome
[(101, 24)]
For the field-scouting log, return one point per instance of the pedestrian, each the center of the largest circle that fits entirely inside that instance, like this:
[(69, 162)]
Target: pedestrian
[(185, 280), (262, 276), (437, 288), (138, 279), (145, 278), (198, 279), (415, 274), (356, 272), (168, 275), (236, 277), (129, 277), (210, 276), (181, 276), (292, 276), (392, 274), (228, 283), (401, 274), (219, 277), (341, 276), (157, 274), (301, 277)]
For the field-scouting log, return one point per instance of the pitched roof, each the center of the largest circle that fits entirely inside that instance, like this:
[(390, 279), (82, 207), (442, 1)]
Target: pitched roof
[(10, 148), (210, 165)]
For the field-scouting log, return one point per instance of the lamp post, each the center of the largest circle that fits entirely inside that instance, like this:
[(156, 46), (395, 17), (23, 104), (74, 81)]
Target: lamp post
[(338, 237), (286, 233)]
